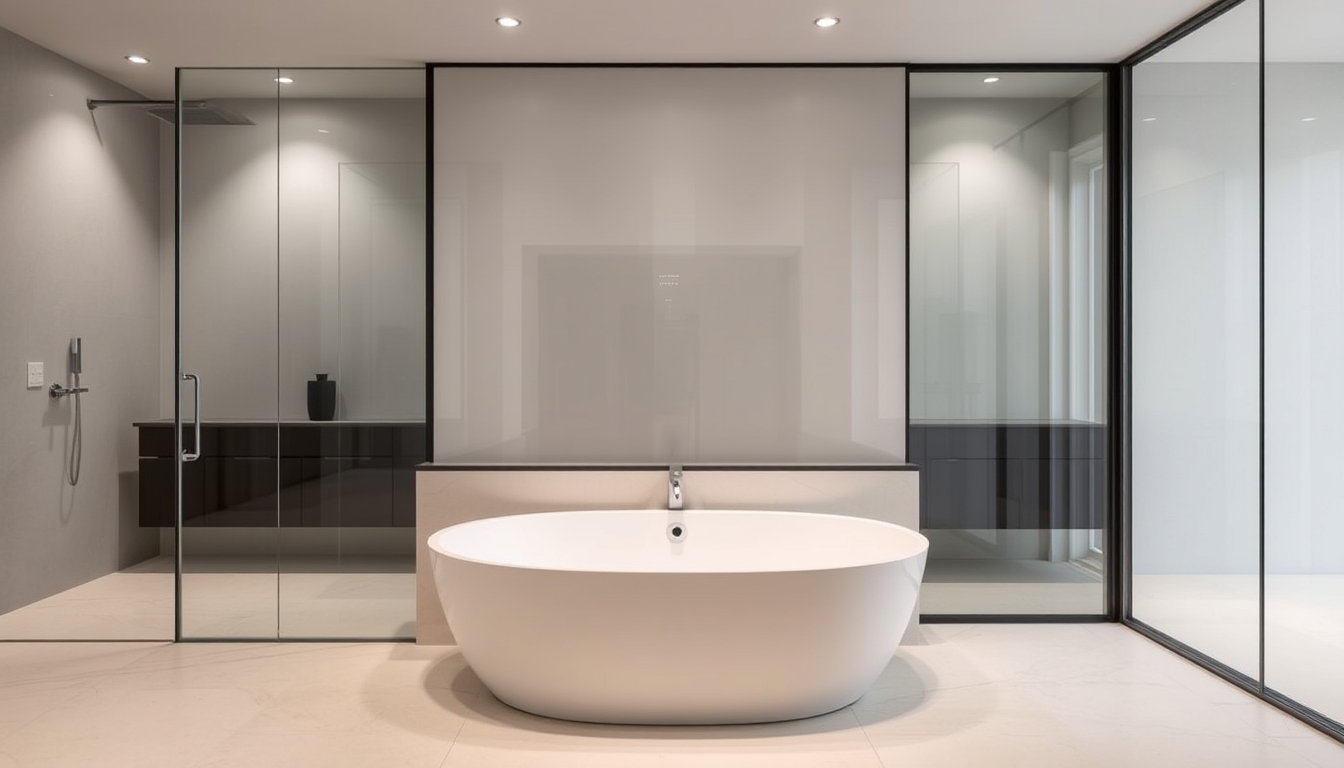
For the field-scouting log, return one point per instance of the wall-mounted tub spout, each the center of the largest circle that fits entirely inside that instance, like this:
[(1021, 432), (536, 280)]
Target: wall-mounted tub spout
[(674, 487)]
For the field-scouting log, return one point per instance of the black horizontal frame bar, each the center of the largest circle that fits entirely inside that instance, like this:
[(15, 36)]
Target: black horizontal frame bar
[(671, 64), (296, 640), (1092, 66), (1013, 618), (467, 467), (264, 68)]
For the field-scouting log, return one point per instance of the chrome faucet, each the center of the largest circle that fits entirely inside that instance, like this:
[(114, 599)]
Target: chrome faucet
[(674, 487)]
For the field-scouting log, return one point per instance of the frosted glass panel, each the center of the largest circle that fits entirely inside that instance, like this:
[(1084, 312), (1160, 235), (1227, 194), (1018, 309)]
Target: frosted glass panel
[(1196, 352), (661, 265)]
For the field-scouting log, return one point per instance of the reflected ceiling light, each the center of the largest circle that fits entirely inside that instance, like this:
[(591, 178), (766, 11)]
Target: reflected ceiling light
[(991, 79), (1308, 119), (323, 130), (826, 22), (1149, 119), (284, 80), (137, 59), (507, 21)]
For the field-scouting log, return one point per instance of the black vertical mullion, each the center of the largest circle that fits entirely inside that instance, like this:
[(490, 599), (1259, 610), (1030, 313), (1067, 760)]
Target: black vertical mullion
[(1119, 566), (429, 262), (1261, 139), (177, 356), (907, 265), (279, 338)]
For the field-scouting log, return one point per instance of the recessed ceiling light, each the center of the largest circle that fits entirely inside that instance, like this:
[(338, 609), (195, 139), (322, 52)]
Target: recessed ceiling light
[(991, 79), (137, 59), (284, 80), (507, 21), (825, 22)]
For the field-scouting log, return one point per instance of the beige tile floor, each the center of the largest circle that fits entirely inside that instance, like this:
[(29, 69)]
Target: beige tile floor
[(971, 695)]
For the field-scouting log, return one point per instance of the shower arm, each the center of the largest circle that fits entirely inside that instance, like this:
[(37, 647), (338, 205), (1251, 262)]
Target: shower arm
[(96, 103)]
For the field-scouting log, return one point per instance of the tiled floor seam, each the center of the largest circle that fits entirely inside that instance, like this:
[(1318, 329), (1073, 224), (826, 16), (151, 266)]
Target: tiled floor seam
[(867, 736), (448, 753)]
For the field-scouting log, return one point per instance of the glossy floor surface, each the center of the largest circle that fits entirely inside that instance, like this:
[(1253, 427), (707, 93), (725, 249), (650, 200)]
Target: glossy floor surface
[(224, 597), (375, 598), (983, 586), (970, 695)]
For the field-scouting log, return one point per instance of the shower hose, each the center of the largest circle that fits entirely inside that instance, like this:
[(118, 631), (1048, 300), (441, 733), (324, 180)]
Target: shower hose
[(77, 442)]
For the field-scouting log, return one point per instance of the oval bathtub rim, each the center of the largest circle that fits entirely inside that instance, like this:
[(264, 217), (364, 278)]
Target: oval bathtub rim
[(919, 538)]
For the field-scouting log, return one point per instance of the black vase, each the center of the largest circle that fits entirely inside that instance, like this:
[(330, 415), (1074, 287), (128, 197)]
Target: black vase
[(321, 398)]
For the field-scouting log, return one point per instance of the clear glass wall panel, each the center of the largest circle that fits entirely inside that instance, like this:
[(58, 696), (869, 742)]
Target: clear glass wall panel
[(1195, 330), (1007, 374), (352, 332), (229, 270), (303, 264), (1304, 353)]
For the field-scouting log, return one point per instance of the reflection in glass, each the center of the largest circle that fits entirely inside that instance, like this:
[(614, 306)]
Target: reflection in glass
[(1007, 338)]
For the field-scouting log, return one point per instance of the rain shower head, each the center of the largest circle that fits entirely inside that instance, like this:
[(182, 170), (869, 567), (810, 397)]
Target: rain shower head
[(193, 112)]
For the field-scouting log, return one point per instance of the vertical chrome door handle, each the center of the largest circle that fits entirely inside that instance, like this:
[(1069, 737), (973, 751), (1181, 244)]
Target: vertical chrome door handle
[(196, 387)]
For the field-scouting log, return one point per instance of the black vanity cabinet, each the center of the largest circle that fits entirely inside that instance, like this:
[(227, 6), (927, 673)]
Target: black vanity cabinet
[(1006, 476), (309, 474)]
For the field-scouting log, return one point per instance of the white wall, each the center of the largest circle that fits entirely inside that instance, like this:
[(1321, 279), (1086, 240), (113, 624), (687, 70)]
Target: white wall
[(79, 257), (751, 224), (303, 260)]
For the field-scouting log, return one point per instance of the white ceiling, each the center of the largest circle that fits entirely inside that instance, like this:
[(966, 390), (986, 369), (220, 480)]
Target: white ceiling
[(362, 33)]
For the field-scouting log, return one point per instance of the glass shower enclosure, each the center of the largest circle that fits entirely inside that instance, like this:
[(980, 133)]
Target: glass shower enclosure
[(300, 351)]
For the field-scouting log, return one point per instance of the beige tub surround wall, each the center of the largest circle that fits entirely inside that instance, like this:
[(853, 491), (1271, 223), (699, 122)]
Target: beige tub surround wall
[(450, 495)]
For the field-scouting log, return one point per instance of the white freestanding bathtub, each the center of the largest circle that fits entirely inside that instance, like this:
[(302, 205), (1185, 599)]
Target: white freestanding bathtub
[(753, 617)]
